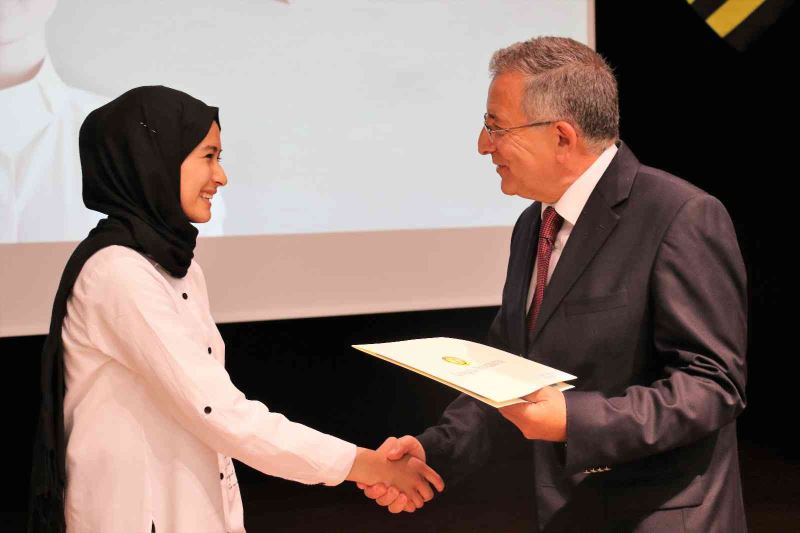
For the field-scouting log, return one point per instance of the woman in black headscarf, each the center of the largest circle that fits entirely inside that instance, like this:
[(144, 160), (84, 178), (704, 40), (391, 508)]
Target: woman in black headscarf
[(139, 419)]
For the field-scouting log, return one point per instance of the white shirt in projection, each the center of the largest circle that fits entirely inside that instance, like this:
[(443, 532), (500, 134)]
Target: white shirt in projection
[(40, 172), (152, 419)]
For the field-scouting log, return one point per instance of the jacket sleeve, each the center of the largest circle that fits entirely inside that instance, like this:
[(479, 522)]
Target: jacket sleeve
[(468, 434), (469, 431), (134, 318), (698, 295)]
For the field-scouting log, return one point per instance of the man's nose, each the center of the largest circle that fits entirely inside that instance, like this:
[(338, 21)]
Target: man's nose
[(485, 145)]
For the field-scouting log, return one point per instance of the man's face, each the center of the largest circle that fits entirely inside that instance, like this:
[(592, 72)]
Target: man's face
[(525, 157), (20, 18)]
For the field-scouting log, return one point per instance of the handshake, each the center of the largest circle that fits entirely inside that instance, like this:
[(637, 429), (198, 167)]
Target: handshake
[(395, 475)]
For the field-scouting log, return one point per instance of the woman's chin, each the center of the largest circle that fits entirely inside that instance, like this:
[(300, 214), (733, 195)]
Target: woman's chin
[(200, 216)]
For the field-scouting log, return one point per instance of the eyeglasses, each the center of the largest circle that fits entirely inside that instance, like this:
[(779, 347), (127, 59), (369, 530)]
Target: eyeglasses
[(499, 132)]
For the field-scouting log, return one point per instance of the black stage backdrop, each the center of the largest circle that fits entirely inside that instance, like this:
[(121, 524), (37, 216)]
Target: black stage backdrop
[(722, 119)]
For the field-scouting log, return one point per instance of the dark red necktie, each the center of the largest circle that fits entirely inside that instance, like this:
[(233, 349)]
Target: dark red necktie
[(551, 223)]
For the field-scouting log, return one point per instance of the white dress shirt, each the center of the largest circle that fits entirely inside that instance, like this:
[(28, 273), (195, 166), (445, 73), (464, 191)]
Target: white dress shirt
[(151, 416), (569, 206), (40, 172)]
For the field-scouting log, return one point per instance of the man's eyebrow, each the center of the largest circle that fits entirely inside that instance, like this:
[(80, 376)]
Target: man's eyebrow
[(492, 117), (213, 148)]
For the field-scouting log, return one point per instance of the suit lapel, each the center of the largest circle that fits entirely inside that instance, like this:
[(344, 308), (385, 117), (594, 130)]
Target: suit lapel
[(592, 229), (523, 265), (594, 225)]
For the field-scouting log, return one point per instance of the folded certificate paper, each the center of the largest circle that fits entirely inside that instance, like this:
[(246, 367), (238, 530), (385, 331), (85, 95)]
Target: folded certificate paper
[(493, 376)]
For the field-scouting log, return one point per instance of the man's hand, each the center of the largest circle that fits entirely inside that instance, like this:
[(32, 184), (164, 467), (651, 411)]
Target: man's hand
[(544, 417), (409, 476), (395, 449)]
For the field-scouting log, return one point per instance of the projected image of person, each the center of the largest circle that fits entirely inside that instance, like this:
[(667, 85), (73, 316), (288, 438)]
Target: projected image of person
[(139, 419), (40, 194), (40, 175)]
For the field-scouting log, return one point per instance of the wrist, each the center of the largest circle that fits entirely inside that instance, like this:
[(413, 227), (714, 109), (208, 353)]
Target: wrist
[(365, 467)]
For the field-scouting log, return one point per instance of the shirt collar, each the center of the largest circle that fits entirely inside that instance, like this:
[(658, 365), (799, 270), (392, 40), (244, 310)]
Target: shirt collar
[(52, 86), (571, 203), (30, 106), (46, 89)]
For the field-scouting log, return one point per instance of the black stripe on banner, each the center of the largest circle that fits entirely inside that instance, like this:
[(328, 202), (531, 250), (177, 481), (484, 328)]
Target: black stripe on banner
[(757, 23), (704, 8)]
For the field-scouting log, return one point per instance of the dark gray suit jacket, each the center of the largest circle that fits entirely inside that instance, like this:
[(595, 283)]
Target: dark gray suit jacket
[(647, 306)]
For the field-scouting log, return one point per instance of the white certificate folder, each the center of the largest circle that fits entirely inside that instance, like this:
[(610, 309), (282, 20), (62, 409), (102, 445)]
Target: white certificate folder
[(490, 375)]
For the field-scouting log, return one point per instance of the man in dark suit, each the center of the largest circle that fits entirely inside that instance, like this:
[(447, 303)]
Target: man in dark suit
[(630, 279)]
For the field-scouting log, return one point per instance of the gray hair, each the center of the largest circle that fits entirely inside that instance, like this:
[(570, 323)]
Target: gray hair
[(566, 80)]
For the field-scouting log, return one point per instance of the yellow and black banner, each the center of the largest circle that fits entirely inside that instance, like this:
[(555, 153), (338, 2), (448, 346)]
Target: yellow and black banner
[(740, 22)]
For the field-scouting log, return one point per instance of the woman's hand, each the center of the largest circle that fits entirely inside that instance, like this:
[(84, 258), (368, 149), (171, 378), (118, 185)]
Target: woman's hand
[(409, 475), (389, 497)]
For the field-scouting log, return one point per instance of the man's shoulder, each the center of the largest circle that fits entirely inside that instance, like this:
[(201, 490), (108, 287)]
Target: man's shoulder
[(662, 198), (638, 182), (656, 181)]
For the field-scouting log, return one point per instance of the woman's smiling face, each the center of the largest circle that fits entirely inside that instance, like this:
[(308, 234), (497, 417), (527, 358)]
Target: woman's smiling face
[(201, 175)]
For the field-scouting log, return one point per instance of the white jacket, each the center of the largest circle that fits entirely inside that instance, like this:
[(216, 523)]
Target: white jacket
[(151, 416)]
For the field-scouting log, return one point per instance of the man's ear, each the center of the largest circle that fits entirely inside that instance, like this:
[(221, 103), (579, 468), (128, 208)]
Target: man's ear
[(567, 137)]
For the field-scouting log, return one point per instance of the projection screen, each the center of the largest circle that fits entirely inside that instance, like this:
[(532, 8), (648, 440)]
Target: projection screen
[(349, 131)]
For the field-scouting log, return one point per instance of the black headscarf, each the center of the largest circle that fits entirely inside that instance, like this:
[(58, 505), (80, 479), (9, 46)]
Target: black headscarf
[(131, 153)]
